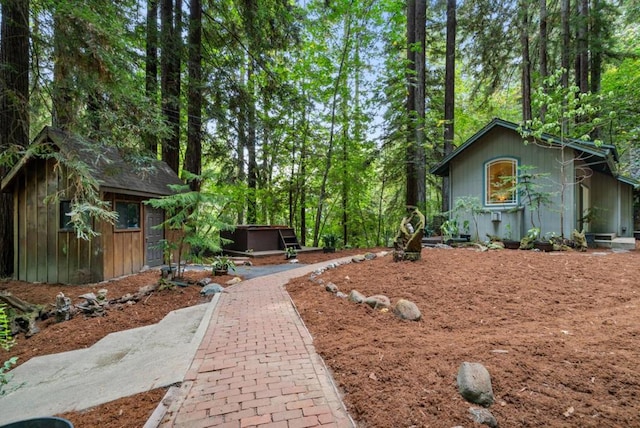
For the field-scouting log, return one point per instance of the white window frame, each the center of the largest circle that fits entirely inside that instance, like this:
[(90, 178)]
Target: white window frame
[(487, 166)]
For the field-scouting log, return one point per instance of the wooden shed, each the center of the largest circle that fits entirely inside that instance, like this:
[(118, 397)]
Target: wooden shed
[(46, 248)]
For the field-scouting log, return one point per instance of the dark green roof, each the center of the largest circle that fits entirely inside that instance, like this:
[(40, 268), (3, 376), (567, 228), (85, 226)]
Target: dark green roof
[(106, 165)]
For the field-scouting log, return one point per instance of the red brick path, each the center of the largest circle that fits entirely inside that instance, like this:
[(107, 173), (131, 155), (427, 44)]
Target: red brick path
[(257, 366)]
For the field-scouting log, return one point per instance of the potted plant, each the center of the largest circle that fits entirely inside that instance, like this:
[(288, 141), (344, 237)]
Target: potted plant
[(329, 241), (290, 253), (449, 229), (221, 265), (509, 243)]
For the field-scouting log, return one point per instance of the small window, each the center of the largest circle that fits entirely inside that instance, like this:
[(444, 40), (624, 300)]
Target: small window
[(128, 215), (65, 215), (500, 176)]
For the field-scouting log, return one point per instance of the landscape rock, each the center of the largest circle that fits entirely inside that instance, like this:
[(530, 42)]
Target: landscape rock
[(378, 301), (331, 288), (210, 289), (341, 295), (234, 280), (356, 296), (369, 256), (204, 281), (407, 310), (358, 259), (483, 416), (474, 384)]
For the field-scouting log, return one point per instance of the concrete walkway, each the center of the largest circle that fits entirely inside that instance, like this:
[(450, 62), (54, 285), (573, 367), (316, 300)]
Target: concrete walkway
[(256, 366)]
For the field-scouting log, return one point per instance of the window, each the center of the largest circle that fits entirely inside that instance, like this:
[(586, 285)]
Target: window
[(128, 215), (65, 215), (500, 176)]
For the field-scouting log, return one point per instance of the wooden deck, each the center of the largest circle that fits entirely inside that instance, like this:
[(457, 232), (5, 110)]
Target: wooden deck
[(258, 254)]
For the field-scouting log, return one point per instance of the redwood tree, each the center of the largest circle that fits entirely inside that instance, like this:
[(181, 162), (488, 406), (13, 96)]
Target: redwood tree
[(14, 109)]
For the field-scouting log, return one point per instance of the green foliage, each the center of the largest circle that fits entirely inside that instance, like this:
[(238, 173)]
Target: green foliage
[(472, 207), (223, 263), (197, 216), (532, 193), (87, 205), (6, 342)]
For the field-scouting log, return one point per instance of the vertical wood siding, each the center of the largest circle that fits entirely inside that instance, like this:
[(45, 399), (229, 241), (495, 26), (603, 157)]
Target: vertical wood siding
[(45, 253)]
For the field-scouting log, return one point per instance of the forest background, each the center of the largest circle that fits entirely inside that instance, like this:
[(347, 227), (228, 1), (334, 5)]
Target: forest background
[(323, 115)]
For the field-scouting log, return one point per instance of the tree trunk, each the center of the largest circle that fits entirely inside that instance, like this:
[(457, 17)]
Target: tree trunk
[(543, 51), (151, 67), (565, 57), (193, 154), (62, 96), (420, 106), (449, 94), (170, 63), (526, 63), (14, 108), (252, 166), (411, 179), (582, 59)]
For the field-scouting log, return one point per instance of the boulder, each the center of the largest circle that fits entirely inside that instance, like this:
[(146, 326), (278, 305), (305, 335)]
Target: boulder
[(234, 280), (358, 259), (483, 416), (378, 301), (204, 281), (370, 256), (474, 384), (331, 287), (356, 296), (341, 295), (210, 289), (407, 310)]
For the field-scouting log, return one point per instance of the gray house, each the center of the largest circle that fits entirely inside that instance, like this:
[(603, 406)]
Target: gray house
[(595, 197)]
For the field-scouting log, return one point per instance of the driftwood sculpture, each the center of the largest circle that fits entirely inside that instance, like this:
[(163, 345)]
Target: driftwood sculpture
[(408, 242)]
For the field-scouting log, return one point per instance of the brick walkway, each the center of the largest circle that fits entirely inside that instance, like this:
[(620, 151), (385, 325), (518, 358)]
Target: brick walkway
[(257, 366)]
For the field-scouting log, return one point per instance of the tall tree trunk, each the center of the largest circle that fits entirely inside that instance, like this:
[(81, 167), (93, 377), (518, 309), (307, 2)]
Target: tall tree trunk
[(582, 59), (170, 62), (543, 50), (449, 94), (526, 62), (596, 49), (62, 96), (193, 154), (420, 106), (565, 56), (411, 197), (14, 108), (334, 104), (252, 165), (151, 66)]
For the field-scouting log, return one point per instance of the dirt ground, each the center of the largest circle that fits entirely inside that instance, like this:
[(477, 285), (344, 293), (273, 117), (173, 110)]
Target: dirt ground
[(558, 333), (82, 332)]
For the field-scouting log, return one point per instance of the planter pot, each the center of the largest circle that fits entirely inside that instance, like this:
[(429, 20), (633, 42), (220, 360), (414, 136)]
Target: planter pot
[(543, 246), (50, 422), (511, 245), (166, 272), (465, 236), (328, 250), (220, 272)]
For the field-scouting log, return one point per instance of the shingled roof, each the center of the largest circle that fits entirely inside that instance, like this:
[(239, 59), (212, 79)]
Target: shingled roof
[(107, 166)]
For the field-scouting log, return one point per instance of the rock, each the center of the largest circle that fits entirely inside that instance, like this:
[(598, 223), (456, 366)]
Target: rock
[(247, 263), (474, 384), (204, 281), (369, 256), (378, 301), (234, 280), (407, 310), (358, 259), (102, 294), (294, 261), (356, 296), (483, 416), (331, 288), (210, 289), (341, 295)]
